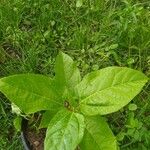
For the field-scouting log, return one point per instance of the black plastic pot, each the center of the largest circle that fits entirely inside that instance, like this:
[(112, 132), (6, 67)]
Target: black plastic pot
[(25, 142)]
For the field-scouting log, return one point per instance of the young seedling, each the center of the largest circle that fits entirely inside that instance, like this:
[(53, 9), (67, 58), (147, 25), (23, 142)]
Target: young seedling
[(77, 105)]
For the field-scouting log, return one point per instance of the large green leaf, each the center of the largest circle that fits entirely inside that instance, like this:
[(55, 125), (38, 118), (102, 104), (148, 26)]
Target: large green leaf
[(67, 74), (98, 135), (30, 92), (109, 89), (65, 131)]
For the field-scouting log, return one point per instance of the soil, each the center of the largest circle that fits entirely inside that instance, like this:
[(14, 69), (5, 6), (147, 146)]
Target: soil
[(36, 140)]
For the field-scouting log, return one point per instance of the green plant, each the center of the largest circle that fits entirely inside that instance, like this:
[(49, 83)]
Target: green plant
[(77, 105)]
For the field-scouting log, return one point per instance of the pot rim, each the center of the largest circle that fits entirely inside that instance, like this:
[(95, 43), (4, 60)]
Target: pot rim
[(25, 142)]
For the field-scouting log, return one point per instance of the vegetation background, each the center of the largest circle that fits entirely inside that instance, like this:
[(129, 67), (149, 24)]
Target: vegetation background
[(96, 34)]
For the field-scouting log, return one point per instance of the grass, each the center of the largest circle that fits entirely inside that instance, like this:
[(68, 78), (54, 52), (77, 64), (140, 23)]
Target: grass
[(96, 34), (9, 139)]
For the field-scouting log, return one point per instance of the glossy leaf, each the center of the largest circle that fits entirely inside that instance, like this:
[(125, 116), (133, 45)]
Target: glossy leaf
[(67, 74), (98, 135), (31, 92), (109, 89), (65, 131)]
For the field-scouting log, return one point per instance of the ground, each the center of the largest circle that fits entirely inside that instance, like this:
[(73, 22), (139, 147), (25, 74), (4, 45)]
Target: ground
[(96, 34)]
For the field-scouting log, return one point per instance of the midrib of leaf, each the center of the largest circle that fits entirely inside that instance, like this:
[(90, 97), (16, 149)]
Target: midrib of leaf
[(137, 81), (100, 104), (64, 75), (36, 94), (59, 120), (64, 71), (66, 127)]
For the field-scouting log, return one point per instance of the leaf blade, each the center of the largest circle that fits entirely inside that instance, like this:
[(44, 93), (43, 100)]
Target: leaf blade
[(67, 74), (65, 131), (109, 89), (30, 92), (98, 135)]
